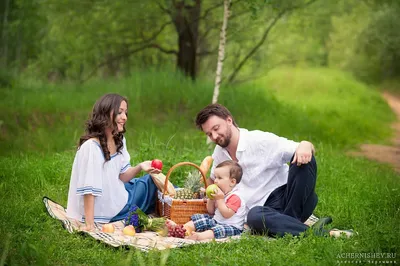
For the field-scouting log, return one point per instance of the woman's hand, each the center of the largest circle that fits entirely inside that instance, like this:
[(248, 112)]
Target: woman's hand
[(133, 171), (89, 226), (146, 166)]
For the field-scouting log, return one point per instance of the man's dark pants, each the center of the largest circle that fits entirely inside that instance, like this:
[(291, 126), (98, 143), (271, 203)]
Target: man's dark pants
[(288, 206)]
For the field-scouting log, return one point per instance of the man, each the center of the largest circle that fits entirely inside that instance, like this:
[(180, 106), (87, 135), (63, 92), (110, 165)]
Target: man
[(279, 198)]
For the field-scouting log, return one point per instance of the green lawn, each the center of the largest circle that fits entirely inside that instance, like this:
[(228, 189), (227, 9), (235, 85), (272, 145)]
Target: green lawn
[(40, 125)]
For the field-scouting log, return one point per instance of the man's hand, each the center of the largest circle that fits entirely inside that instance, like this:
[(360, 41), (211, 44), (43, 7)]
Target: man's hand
[(303, 153)]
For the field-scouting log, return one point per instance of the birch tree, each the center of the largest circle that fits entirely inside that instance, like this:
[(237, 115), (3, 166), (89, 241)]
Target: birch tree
[(221, 51), (221, 54)]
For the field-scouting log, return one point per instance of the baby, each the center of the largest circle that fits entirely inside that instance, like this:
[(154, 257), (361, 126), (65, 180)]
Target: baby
[(226, 209)]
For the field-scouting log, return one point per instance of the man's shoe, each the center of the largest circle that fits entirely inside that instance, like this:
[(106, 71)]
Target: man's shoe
[(318, 227)]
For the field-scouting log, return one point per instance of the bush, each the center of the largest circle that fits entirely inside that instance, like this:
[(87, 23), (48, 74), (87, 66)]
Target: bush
[(6, 79)]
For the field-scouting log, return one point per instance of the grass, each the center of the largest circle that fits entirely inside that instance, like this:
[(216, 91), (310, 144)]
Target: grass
[(40, 126)]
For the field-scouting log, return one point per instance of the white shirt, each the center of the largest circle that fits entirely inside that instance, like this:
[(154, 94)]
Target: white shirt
[(263, 157), (92, 175), (237, 219)]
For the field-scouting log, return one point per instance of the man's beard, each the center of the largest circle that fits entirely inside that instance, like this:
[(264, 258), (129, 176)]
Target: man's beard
[(227, 139)]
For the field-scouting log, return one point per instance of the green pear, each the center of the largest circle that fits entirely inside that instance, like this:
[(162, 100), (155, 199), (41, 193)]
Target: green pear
[(211, 189)]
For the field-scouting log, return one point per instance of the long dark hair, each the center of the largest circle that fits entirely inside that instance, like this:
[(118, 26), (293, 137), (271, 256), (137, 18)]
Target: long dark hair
[(100, 119)]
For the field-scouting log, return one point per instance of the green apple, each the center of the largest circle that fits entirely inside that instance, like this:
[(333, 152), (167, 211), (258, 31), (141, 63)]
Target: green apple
[(211, 189)]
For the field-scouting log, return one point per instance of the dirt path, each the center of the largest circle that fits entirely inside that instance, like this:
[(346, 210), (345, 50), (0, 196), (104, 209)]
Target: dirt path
[(381, 153)]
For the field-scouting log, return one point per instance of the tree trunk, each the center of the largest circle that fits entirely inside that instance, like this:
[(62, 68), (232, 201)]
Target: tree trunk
[(186, 21), (221, 55), (18, 58), (221, 51), (4, 35), (111, 68)]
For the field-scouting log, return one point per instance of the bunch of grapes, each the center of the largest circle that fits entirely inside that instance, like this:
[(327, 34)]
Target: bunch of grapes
[(175, 230)]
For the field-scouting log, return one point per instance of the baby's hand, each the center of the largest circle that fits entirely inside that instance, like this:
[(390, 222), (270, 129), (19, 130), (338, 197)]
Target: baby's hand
[(218, 194)]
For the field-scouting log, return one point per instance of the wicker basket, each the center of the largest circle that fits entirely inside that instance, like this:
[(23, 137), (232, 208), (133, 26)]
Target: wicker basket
[(180, 210)]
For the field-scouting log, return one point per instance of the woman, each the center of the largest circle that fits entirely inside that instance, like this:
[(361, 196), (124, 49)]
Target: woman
[(102, 188)]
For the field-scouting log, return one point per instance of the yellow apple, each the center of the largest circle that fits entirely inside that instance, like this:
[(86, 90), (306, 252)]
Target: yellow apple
[(129, 230), (108, 228), (211, 189)]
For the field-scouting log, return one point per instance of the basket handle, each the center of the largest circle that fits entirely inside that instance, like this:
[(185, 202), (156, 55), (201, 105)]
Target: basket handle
[(180, 164)]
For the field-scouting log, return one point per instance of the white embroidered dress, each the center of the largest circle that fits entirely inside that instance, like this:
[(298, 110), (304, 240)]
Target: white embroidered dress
[(92, 175)]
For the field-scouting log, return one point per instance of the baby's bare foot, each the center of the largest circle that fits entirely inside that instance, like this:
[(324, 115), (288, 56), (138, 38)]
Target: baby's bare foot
[(193, 236)]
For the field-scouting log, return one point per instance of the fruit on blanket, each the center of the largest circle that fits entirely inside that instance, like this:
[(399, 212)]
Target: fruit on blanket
[(129, 230), (156, 163), (211, 189), (163, 232), (176, 230), (108, 228)]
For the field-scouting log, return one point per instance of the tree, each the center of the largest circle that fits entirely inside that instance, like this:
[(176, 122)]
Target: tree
[(279, 10), (221, 50), (186, 20), (381, 40)]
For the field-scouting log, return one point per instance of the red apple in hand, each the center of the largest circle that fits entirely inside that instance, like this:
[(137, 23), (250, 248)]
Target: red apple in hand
[(156, 163)]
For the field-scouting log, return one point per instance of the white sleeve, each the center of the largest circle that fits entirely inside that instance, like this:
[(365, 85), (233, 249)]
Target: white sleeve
[(90, 163), (287, 149), (280, 149), (126, 158)]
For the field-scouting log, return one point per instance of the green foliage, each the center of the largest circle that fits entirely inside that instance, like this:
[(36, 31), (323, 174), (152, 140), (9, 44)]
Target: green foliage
[(380, 41), (76, 40), (6, 79), (35, 162), (365, 41), (344, 37)]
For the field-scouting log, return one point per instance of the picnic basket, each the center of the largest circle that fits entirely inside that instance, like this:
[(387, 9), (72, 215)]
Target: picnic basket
[(180, 210)]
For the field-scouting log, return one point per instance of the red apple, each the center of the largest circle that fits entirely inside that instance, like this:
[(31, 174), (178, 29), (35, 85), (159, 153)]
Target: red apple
[(108, 228), (156, 163), (129, 230)]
